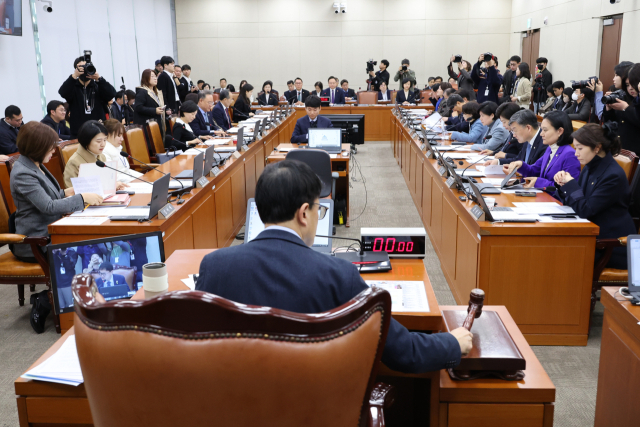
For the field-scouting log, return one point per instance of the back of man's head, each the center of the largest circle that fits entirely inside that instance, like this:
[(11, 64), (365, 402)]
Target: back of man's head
[(453, 100), (119, 94), (465, 93), (283, 187), (11, 111), (312, 101), (203, 95), (523, 118), (224, 94), (558, 84)]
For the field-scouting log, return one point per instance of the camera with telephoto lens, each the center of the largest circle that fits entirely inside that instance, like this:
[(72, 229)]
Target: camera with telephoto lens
[(89, 68), (613, 97), (370, 64), (457, 58), (404, 67), (488, 57), (581, 84)]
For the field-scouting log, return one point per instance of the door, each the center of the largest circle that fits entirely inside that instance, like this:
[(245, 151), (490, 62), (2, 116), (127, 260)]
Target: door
[(531, 49), (610, 53)]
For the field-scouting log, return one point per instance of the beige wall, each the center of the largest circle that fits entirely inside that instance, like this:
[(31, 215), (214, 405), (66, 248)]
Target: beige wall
[(571, 40), (282, 39)]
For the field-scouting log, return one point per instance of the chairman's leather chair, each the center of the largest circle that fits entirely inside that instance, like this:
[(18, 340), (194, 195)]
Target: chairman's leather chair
[(191, 358), (320, 162), (367, 98)]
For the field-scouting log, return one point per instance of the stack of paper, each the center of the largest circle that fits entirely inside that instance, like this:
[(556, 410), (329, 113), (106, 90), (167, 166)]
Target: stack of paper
[(406, 296), (62, 367), (546, 208)]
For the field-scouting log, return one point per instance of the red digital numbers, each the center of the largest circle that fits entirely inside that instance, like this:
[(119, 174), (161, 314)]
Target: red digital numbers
[(389, 245)]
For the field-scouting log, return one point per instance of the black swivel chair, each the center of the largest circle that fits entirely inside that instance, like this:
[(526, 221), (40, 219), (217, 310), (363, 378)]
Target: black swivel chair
[(320, 162)]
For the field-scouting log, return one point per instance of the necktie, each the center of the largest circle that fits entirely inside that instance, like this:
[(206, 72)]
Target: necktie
[(299, 96), (332, 99), (109, 283), (226, 113), (526, 157), (314, 124)]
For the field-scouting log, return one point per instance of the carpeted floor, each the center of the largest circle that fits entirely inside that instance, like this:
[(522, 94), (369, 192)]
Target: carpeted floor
[(573, 370)]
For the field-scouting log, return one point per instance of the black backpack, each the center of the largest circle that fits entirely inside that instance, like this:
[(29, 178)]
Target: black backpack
[(40, 309)]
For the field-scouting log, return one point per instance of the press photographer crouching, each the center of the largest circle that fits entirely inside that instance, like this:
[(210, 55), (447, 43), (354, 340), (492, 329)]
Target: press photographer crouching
[(86, 92)]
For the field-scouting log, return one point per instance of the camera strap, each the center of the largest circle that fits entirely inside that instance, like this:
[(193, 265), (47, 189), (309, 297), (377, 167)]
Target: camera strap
[(89, 99)]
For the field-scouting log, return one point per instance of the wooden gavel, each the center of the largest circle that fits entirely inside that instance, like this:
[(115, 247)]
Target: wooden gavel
[(476, 301)]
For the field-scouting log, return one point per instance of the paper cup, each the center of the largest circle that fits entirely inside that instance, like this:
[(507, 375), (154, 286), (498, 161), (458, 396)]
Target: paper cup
[(155, 277)]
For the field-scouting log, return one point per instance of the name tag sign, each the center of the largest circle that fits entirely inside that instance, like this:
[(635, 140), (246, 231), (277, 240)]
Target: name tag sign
[(201, 182), (477, 213), (450, 182), (166, 211), (236, 154), (214, 172), (442, 171)]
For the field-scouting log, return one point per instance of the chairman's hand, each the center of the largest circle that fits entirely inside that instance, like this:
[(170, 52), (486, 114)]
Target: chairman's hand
[(464, 338)]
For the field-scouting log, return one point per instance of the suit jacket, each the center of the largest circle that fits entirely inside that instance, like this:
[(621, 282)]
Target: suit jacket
[(144, 108), (72, 168), (241, 110), (273, 99), (199, 125), (464, 80), (537, 151), (523, 92), (476, 132), (182, 134), (350, 93), (457, 124), (580, 111), (300, 132), (279, 260), (288, 94), (183, 88), (117, 113), (601, 195), (117, 279), (564, 159), (222, 119), (61, 128), (294, 93), (507, 86), (388, 95), (400, 97), (338, 97), (168, 88), (39, 201), (511, 147), (494, 138), (558, 104)]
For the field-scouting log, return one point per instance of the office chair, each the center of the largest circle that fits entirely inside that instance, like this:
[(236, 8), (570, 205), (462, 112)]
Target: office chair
[(320, 162), (190, 358)]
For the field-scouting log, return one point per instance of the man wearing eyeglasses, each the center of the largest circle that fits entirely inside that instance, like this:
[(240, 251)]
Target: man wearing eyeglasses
[(204, 126), (107, 278), (55, 119), (279, 269)]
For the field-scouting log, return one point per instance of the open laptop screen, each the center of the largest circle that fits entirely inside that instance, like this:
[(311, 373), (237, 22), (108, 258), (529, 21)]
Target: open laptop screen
[(325, 226), (633, 258), (325, 137), (115, 264)]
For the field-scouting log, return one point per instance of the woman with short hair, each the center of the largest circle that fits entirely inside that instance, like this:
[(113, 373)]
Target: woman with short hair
[(183, 136), (115, 137), (267, 97), (471, 113)]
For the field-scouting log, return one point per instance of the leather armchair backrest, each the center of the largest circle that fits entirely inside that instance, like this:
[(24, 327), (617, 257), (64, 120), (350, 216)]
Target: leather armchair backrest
[(68, 149), (156, 137), (136, 144), (367, 98), (628, 161)]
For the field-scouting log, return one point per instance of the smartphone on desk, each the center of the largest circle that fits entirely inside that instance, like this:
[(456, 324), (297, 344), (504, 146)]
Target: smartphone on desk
[(526, 193), (564, 217)]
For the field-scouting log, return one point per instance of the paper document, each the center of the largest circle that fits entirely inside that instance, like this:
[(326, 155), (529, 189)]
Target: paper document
[(176, 185), (549, 218), (492, 170), (193, 152), (107, 176), (140, 187), (134, 211), (548, 208), (225, 149), (98, 211), (88, 184), (62, 367), (450, 147), (469, 172), (191, 284), (217, 141), (81, 220), (434, 123), (503, 191), (493, 181), (506, 215), (406, 296), (286, 149)]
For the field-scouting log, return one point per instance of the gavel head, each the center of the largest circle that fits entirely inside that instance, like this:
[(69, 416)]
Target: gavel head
[(476, 299)]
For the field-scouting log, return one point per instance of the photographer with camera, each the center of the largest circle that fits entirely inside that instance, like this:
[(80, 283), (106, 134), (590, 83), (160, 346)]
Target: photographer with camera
[(86, 92), (379, 76), (486, 78), (633, 80), (463, 78), (404, 73), (581, 109)]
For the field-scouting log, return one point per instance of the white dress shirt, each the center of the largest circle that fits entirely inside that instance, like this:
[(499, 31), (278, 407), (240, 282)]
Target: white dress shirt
[(112, 154), (175, 88)]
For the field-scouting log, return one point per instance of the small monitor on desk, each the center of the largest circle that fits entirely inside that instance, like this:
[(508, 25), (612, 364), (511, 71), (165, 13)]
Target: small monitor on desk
[(254, 226), (325, 137), (115, 264)]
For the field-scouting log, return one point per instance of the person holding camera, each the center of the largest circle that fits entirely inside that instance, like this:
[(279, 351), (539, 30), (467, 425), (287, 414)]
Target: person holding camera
[(405, 73), (379, 76), (486, 78), (618, 108), (87, 94), (581, 108), (463, 77)]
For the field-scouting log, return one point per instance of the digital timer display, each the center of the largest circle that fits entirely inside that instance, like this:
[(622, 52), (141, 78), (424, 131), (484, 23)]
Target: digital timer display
[(405, 246)]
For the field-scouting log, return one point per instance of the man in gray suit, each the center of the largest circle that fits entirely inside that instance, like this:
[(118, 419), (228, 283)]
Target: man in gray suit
[(403, 73)]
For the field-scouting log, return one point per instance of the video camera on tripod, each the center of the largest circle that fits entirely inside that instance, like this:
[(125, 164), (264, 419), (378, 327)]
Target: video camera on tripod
[(370, 64)]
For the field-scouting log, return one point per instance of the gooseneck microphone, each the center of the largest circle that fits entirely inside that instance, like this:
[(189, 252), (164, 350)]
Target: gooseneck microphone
[(471, 164), (101, 164), (127, 155)]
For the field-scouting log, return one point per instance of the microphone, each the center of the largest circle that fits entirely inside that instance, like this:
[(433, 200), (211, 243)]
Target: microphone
[(471, 164), (101, 164), (127, 155)]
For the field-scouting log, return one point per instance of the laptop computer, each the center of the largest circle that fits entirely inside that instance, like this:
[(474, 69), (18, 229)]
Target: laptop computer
[(124, 254), (505, 215), (188, 173), (208, 164), (159, 196), (633, 265), (254, 226), (328, 139), (263, 128)]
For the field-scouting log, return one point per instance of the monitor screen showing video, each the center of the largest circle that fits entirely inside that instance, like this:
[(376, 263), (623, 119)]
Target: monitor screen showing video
[(115, 264), (11, 17)]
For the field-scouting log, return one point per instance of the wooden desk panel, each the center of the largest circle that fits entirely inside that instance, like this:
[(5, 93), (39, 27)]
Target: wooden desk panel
[(549, 302), (619, 371)]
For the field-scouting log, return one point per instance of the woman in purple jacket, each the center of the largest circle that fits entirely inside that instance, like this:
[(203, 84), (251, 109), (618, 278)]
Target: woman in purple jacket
[(555, 130)]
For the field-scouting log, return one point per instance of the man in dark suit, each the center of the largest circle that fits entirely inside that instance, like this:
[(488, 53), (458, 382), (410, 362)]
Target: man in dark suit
[(558, 91), (287, 274), (9, 128), (349, 94), (118, 110), (379, 76), (299, 95), (220, 112), (107, 278), (203, 125), (509, 79), (335, 94), (167, 85), (291, 92), (182, 84), (313, 119), (55, 119), (524, 125)]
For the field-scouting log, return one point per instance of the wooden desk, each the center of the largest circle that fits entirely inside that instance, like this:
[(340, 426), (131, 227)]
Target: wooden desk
[(58, 404), (515, 264), (339, 163), (619, 371)]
